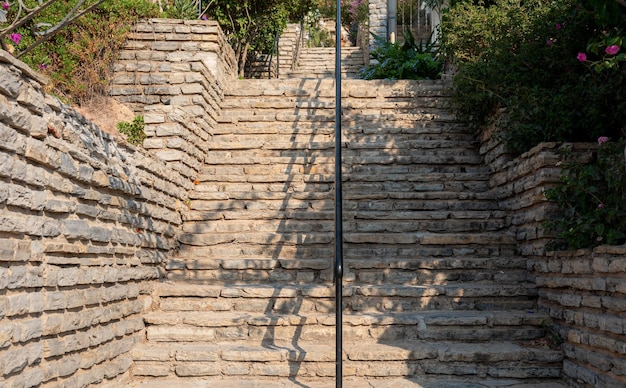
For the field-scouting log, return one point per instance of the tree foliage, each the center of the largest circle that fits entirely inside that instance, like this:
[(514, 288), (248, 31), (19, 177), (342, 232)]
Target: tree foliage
[(544, 71), (79, 57), (253, 24)]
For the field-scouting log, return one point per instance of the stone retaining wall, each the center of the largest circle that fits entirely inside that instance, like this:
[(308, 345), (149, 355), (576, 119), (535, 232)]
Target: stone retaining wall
[(85, 223), (583, 291), (173, 72), (585, 294)]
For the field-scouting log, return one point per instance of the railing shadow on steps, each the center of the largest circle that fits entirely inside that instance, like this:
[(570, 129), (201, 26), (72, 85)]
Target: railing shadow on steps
[(375, 209), (270, 336)]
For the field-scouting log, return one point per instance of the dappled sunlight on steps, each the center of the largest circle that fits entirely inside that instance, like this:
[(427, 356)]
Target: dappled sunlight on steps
[(434, 292)]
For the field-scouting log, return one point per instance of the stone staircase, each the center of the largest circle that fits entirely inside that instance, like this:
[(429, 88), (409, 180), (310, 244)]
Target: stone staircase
[(434, 294), (319, 62)]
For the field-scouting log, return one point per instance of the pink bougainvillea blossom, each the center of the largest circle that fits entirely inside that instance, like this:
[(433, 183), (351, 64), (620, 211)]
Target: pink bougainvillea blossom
[(550, 41), (602, 139), (601, 206), (16, 38), (558, 26), (582, 57), (203, 17), (612, 50), (5, 5)]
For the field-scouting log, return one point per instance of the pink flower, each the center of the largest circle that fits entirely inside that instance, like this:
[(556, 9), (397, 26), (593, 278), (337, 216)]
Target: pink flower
[(601, 206), (203, 17), (558, 26), (5, 5), (602, 139), (549, 42), (43, 66), (582, 57), (612, 50), (15, 38)]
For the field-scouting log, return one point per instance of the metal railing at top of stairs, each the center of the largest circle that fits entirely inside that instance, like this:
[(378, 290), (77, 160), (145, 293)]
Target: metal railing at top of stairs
[(338, 265)]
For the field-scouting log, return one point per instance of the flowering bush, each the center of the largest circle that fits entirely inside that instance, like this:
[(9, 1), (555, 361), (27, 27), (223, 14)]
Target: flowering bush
[(592, 197), (541, 71), (79, 58)]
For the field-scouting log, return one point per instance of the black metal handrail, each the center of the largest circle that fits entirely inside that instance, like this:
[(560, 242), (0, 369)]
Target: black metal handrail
[(338, 267), (274, 49)]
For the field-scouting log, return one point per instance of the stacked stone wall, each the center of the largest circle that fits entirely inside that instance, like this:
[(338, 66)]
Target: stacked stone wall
[(289, 47), (378, 20), (584, 291), (173, 72), (85, 224), (585, 294)]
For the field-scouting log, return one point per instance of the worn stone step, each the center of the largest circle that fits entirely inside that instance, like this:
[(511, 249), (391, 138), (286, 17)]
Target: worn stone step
[(200, 233), (297, 299), (193, 325), (352, 127), (397, 359), (405, 142), (374, 116), (361, 246), (249, 105), (424, 271), (286, 226), (358, 244), (381, 237), (349, 382), (308, 87), (303, 166)]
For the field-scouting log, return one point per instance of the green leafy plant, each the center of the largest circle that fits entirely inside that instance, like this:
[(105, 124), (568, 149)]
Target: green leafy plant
[(592, 198), (409, 60), (521, 67), (552, 337), (79, 58), (133, 131), (183, 9)]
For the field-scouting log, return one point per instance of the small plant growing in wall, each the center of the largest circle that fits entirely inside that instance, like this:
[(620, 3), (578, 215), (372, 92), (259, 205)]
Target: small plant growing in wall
[(133, 131)]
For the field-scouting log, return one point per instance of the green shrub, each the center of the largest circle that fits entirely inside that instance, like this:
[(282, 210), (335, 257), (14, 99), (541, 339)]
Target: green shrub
[(79, 59), (133, 131), (592, 197), (519, 66), (409, 60), (183, 9)]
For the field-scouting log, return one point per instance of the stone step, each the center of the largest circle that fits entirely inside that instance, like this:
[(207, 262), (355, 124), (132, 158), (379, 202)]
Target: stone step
[(350, 107), (357, 245), (370, 115), (505, 360), (402, 207), (308, 87), (420, 130), (358, 222), (278, 141), (239, 293), (184, 325), (318, 381), (358, 272), (426, 173)]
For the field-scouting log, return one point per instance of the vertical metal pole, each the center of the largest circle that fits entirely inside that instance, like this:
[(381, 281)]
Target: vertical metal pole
[(392, 22), (338, 270)]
